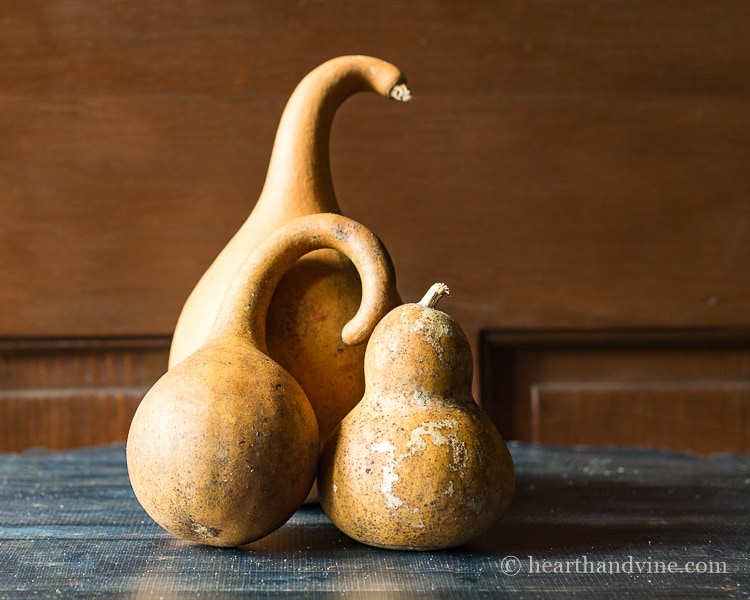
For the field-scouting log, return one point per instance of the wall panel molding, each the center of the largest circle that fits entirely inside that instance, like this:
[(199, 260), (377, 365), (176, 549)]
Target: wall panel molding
[(674, 389), (64, 393)]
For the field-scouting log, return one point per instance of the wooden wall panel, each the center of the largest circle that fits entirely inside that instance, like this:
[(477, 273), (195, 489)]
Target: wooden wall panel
[(567, 164), (564, 164), (70, 393), (699, 416), (674, 389)]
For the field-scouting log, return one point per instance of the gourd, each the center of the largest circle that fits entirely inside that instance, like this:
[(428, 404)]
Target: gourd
[(317, 296), (224, 447), (416, 464)]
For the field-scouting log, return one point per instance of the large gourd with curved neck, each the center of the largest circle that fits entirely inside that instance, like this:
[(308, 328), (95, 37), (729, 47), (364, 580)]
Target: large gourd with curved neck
[(319, 294), (224, 447)]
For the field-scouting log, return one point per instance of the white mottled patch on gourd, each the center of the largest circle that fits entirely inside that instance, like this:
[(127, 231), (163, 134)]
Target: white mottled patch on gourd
[(435, 429), (440, 433), (389, 473), (432, 331), (204, 532), (421, 397)]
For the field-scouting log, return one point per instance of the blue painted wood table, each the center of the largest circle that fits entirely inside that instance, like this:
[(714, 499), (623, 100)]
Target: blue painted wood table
[(584, 523)]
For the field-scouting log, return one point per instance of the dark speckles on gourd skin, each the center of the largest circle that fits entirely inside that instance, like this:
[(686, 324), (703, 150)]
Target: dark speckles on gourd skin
[(298, 183), (417, 464), (224, 447)]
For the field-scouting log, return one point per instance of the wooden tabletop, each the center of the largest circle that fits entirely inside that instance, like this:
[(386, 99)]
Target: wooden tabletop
[(584, 523)]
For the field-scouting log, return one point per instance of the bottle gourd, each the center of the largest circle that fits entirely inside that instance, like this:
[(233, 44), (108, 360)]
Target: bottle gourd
[(318, 295), (224, 447), (417, 464)]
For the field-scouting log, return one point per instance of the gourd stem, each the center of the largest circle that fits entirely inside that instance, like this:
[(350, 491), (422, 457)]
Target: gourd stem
[(433, 295), (244, 308), (400, 91), (299, 174)]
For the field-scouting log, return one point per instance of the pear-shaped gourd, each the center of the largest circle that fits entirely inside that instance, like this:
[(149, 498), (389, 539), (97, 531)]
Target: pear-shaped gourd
[(417, 464), (224, 447), (320, 294)]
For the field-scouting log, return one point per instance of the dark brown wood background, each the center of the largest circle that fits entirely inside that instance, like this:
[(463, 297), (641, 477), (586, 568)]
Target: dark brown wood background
[(565, 165)]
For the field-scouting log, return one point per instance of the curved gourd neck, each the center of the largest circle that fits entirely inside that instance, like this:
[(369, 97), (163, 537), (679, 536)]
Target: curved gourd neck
[(244, 308), (299, 171)]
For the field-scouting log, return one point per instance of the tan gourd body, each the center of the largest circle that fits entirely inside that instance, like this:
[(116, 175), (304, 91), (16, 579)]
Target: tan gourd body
[(224, 447), (317, 296), (416, 465)]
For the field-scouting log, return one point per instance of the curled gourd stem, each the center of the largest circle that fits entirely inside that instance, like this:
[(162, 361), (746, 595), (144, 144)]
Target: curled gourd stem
[(400, 91), (244, 309), (433, 295)]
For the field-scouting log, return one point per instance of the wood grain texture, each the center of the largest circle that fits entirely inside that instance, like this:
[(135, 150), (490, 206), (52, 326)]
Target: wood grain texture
[(71, 393), (575, 163), (703, 417), (680, 390), (70, 526)]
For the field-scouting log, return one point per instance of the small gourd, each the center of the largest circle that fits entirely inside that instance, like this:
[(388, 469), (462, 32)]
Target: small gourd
[(417, 464), (318, 295), (224, 447)]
